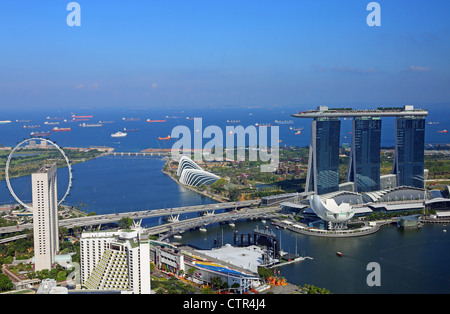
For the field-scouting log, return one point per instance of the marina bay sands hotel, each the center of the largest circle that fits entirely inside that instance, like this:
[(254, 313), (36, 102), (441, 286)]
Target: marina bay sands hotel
[(364, 163)]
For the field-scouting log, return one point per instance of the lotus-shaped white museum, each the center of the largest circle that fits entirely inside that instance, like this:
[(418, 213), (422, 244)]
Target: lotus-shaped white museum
[(330, 211)]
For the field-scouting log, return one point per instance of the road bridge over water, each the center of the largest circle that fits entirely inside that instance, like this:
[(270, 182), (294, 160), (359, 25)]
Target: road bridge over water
[(111, 218)]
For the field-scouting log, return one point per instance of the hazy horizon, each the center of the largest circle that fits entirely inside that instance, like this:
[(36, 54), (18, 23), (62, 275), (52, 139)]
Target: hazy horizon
[(199, 54)]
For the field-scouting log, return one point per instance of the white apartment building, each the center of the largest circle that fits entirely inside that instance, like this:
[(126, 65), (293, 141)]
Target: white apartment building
[(116, 260), (45, 216)]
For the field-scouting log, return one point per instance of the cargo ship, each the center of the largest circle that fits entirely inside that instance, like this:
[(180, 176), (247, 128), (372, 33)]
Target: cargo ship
[(443, 131), (76, 120), (5, 121), (130, 119), (295, 129), (119, 134), (284, 122), (81, 117), (56, 129), (51, 123), (130, 130), (164, 138), (260, 125), (37, 134), (149, 120), (92, 125), (31, 126)]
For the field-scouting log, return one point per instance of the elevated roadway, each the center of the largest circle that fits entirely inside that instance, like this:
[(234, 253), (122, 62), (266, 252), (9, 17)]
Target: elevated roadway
[(172, 228), (109, 218)]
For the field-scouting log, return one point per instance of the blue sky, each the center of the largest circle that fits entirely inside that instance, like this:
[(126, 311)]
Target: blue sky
[(177, 53)]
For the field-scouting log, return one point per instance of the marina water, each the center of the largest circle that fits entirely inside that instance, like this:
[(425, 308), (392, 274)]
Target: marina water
[(411, 261)]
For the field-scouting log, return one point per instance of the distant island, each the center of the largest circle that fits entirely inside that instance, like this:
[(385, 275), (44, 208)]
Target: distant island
[(28, 160)]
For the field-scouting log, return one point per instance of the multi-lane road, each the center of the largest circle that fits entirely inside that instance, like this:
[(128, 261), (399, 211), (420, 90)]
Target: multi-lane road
[(109, 218)]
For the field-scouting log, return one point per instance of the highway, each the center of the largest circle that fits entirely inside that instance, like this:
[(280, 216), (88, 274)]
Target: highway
[(184, 225), (109, 218)]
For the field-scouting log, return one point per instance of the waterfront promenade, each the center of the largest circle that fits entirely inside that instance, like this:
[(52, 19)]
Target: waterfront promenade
[(303, 229)]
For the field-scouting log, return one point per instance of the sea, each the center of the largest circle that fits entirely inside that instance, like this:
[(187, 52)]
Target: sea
[(412, 261)]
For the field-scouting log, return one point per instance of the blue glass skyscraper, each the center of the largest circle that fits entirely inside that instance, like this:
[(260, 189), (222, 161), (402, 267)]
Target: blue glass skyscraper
[(323, 163), (409, 151), (364, 164)]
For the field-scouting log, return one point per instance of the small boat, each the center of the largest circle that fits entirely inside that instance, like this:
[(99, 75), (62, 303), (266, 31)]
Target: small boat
[(119, 134), (177, 236), (298, 132), (339, 254), (443, 131), (164, 138), (202, 229), (232, 224)]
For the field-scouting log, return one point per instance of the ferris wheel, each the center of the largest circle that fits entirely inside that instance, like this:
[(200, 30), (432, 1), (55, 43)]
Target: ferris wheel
[(8, 183)]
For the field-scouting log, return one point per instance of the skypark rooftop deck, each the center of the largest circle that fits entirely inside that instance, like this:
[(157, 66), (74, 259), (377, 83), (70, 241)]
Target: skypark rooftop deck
[(325, 112)]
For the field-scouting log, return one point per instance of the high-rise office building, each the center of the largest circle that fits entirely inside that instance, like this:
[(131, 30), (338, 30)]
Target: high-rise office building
[(116, 260), (409, 151), (364, 161), (364, 164), (45, 216), (323, 163)]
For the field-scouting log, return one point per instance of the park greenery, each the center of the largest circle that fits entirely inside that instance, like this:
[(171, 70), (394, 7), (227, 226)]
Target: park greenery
[(241, 180), (26, 161)]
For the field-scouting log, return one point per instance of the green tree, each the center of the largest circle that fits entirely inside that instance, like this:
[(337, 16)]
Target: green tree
[(125, 222), (5, 283)]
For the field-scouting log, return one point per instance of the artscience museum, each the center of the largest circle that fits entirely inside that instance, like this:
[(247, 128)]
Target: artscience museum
[(328, 210)]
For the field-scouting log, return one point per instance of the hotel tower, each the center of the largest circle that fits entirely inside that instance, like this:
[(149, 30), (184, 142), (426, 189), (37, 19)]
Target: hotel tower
[(45, 216)]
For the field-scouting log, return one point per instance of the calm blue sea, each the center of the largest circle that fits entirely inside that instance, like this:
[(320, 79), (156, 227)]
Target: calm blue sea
[(147, 136), (411, 262)]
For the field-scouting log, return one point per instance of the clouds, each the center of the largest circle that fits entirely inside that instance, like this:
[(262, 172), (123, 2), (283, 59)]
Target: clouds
[(418, 69), (369, 70), (345, 69), (92, 86)]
